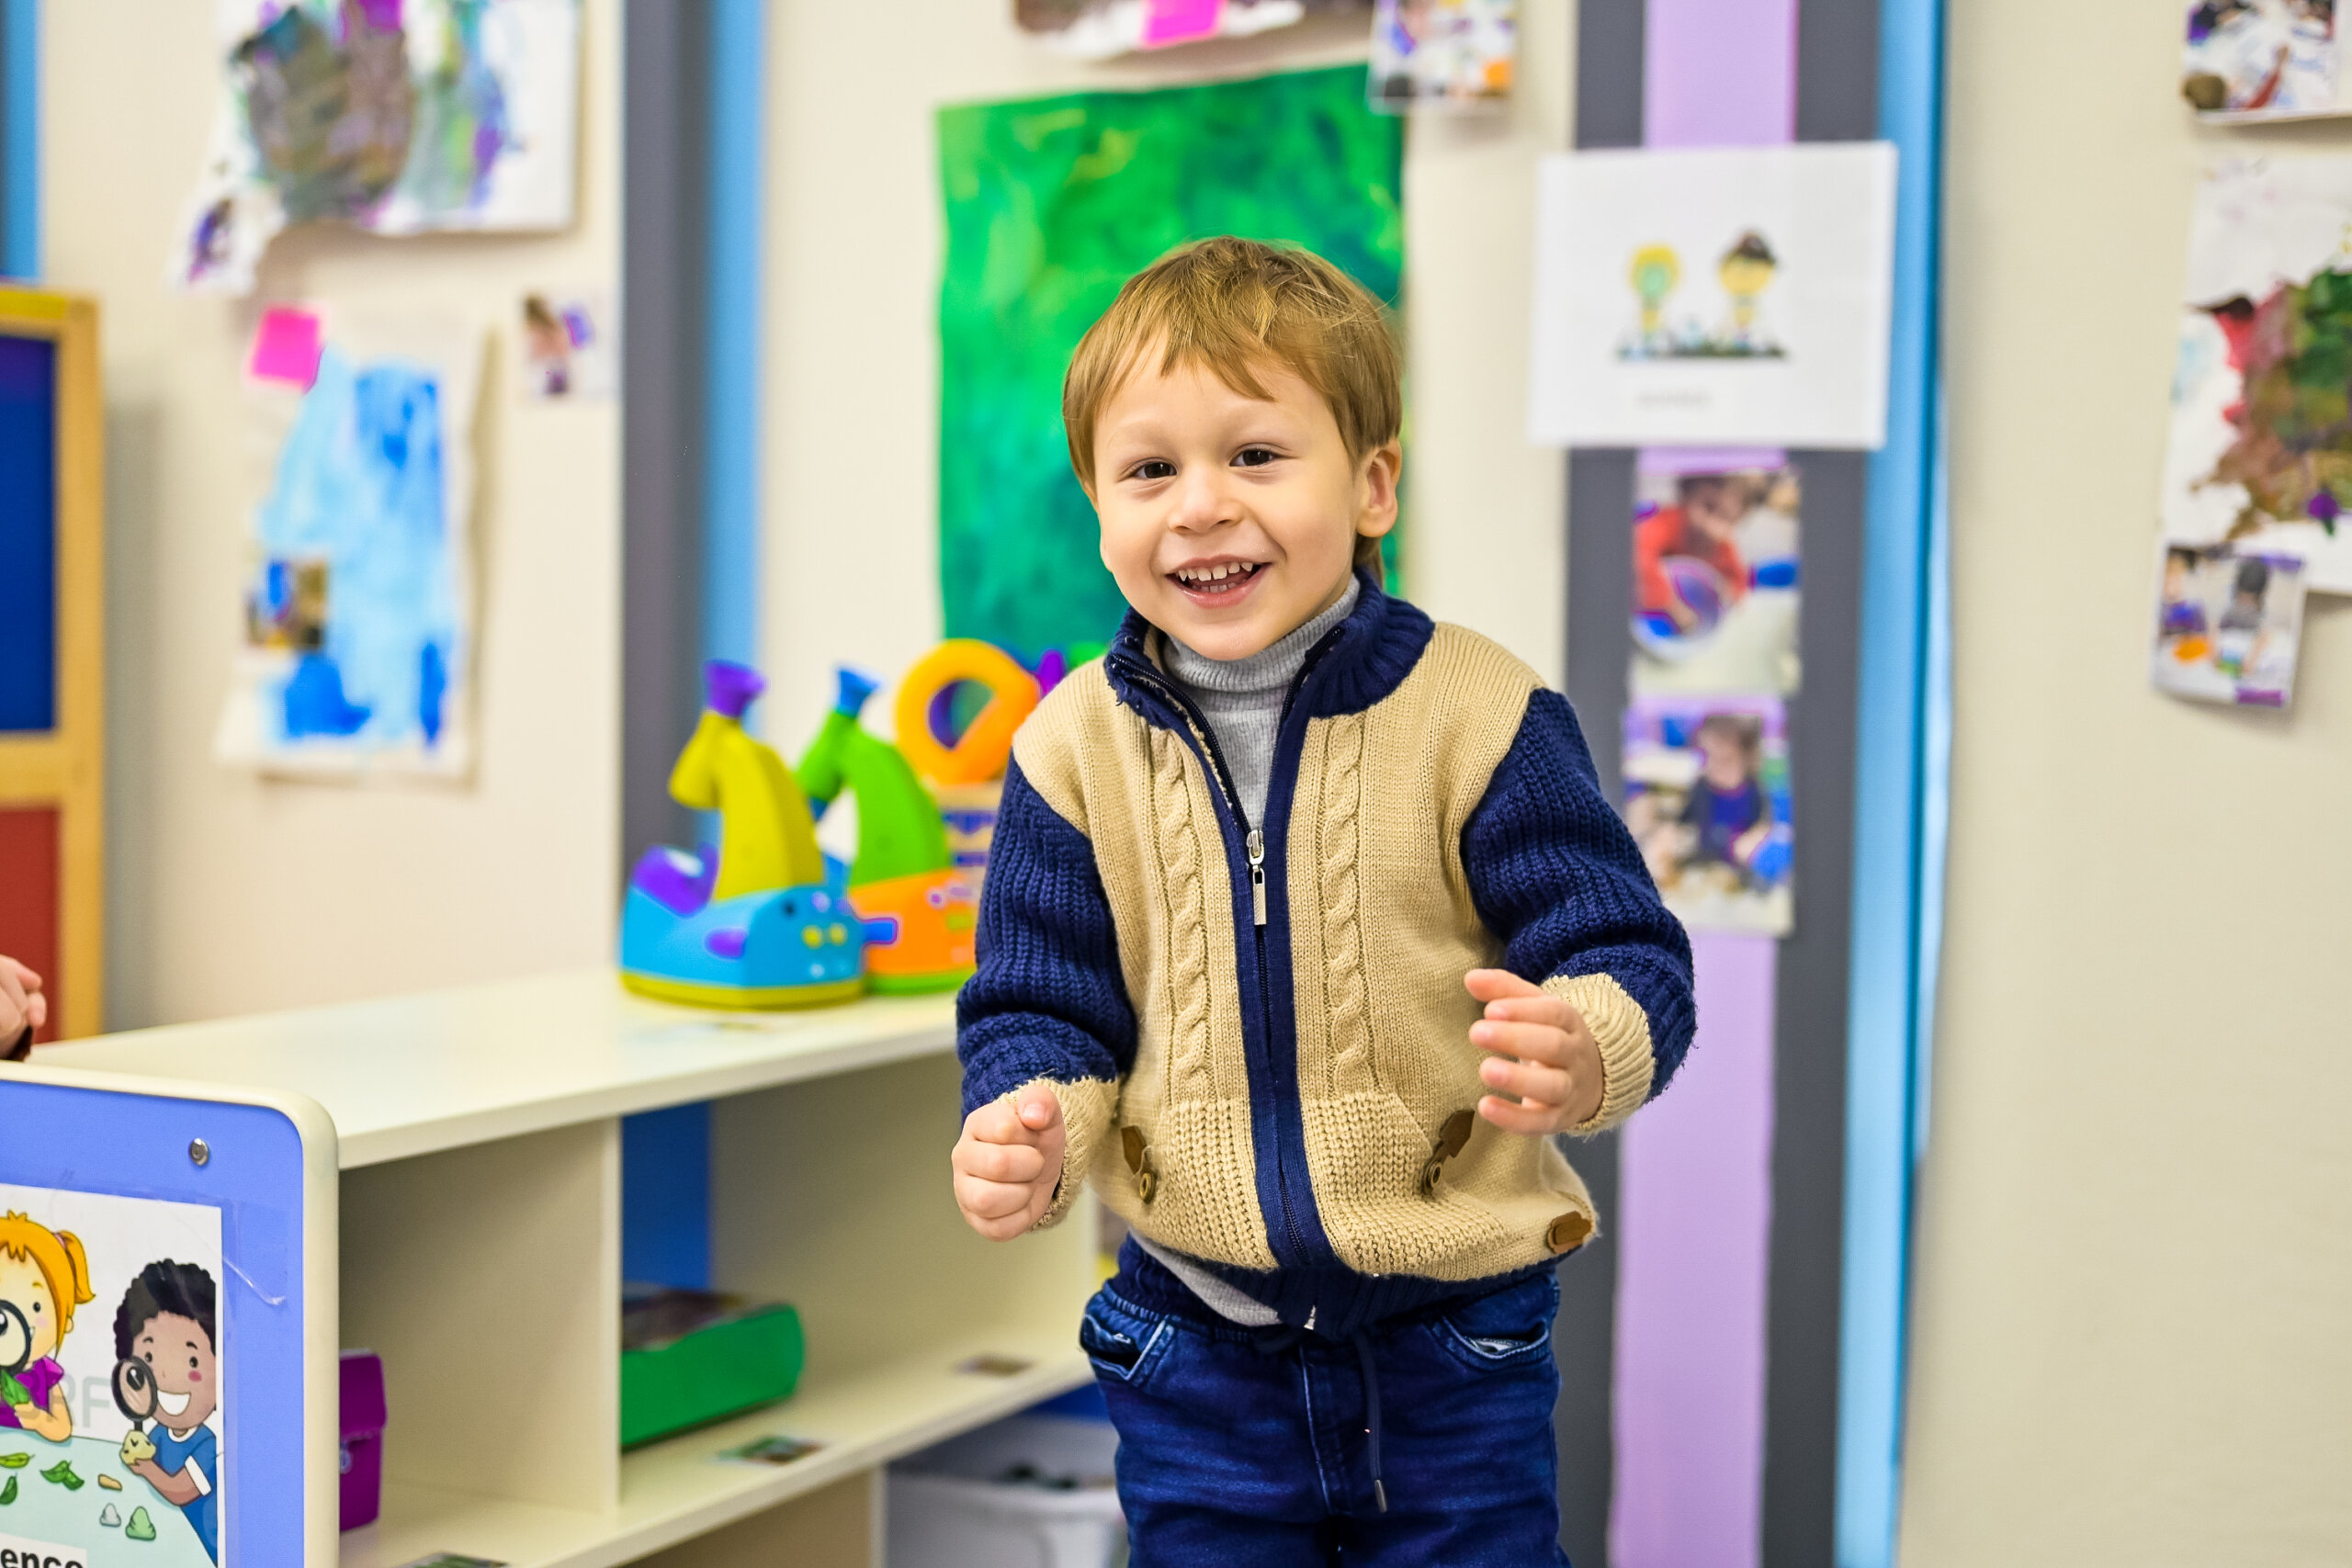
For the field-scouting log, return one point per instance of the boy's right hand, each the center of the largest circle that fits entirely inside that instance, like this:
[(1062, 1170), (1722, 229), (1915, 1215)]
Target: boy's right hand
[(1008, 1163), (23, 1009)]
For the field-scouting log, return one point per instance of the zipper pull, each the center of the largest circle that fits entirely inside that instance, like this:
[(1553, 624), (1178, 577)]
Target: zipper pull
[(1258, 876)]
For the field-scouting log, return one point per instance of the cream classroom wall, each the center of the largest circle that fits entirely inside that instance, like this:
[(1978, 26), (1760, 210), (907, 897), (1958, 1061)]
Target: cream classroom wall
[(229, 894), (2130, 1344), (851, 569)]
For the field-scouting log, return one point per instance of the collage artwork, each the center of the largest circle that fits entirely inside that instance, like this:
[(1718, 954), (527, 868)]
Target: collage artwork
[(1715, 629), (112, 1369)]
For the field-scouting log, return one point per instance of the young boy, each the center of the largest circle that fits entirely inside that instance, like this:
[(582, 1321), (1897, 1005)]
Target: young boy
[(1702, 525), (1306, 925)]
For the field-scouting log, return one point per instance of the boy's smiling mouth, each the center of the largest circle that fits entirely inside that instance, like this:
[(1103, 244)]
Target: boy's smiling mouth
[(172, 1404), (1216, 582)]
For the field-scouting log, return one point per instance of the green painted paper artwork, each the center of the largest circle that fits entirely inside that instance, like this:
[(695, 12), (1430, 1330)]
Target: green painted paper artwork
[(1052, 204)]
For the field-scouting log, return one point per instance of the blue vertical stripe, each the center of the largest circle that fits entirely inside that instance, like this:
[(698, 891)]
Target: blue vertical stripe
[(738, 135), (1902, 729), (20, 200)]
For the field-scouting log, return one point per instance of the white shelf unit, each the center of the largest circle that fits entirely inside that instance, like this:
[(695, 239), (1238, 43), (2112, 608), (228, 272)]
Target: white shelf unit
[(480, 1215)]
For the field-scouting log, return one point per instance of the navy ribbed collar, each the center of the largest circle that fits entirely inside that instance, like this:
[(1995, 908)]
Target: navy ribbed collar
[(1356, 664)]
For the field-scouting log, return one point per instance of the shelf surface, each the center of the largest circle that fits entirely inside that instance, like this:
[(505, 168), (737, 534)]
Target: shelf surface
[(444, 1069), (679, 1488)]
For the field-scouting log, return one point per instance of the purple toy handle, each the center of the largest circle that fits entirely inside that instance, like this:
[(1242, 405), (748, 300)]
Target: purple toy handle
[(731, 687)]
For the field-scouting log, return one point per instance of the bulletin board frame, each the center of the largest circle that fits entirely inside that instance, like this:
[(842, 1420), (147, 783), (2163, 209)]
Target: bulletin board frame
[(64, 769)]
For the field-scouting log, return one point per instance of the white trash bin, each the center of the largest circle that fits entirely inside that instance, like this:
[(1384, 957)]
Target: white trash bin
[(1031, 1491)]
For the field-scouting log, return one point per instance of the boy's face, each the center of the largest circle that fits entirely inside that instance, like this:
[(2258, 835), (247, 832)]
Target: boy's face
[(1193, 479), (188, 1379), (1713, 510), (1722, 759)]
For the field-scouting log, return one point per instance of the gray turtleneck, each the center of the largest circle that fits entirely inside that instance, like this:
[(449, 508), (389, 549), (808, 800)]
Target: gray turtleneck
[(1242, 698)]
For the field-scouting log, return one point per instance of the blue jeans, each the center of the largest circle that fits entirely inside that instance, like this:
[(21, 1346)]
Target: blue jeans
[(1242, 1449)]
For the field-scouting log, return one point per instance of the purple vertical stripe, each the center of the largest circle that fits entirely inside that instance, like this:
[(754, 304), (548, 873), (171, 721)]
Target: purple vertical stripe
[(1720, 73), (1695, 1218)]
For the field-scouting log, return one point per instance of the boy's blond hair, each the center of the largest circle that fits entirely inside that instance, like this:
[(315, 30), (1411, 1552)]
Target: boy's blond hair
[(1227, 304)]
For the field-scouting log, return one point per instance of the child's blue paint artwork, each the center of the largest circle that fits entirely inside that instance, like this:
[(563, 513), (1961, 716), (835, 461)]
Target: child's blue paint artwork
[(356, 613)]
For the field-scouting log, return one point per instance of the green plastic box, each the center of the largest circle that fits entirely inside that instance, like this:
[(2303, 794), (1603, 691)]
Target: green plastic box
[(688, 1358)]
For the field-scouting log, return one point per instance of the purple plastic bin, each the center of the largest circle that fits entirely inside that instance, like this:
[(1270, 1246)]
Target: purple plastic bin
[(363, 1437)]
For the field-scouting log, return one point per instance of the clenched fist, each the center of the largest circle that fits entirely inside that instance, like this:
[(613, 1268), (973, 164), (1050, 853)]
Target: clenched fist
[(1008, 1163)]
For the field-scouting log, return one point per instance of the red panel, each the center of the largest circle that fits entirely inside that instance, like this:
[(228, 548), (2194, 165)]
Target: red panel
[(28, 896)]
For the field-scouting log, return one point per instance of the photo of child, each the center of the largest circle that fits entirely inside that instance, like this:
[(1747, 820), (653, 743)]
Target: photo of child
[(1716, 579), (2261, 57), (1707, 799), (2228, 625), (135, 1413)]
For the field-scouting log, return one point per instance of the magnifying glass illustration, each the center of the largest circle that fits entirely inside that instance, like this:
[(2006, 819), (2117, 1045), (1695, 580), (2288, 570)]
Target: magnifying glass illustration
[(16, 1351), (135, 1396)]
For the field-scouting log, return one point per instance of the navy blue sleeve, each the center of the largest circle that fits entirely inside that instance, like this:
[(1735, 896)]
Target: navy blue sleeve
[(1556, 875), (1048, 1000)]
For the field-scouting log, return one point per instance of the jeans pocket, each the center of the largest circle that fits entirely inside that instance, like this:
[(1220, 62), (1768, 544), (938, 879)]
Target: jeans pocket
[(1504, 1330), (1123, 1343)]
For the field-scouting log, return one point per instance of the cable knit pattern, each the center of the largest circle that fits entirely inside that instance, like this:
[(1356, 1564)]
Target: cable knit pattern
[(1340, 826), (1432, 810), (1184, 894)]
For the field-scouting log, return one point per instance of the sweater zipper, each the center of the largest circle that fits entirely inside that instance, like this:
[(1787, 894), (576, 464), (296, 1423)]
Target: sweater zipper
[(1254, 842)]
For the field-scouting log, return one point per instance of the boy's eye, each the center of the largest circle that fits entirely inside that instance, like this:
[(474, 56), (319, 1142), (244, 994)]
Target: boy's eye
[(1153, 468), (1254, 456)]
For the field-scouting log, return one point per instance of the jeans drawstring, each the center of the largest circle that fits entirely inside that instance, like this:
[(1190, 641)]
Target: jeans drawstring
[(1280, 1339), (1372, 1416)]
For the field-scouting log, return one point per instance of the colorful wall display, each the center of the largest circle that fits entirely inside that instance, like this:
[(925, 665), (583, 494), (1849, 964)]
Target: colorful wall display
[(359, 601), (2260, 454), (1099, 30), (2229, 626), (399, 117), (2263, 59), (1714, 294), (1716, 580), (1052, 204)]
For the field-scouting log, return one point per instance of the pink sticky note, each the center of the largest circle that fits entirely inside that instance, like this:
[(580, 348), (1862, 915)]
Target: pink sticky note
[(286, 347), (1180, 21)]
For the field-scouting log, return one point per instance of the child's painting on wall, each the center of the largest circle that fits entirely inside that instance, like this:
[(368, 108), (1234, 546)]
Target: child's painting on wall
[(1100, 29), (1707, 799), (2262, 57), (1715, 581), (111, 1376), (570, 347), (2228, 625)]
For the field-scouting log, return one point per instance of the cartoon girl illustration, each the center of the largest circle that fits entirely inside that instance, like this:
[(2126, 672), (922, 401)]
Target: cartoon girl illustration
[(44, 1275)]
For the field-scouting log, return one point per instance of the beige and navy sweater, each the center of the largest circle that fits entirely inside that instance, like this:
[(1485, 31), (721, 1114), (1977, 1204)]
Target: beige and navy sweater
[(1258, 1030)]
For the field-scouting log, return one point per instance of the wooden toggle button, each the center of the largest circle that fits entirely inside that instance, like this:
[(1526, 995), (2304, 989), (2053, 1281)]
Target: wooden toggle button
[(1451, 1139), (1567, 1233), (1139, 1162)]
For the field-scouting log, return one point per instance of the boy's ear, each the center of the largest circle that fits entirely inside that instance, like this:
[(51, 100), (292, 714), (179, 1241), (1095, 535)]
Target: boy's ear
[(1377, 483)]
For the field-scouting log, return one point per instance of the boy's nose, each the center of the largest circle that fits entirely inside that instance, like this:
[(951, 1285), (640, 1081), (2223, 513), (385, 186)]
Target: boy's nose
[(1200, 504)]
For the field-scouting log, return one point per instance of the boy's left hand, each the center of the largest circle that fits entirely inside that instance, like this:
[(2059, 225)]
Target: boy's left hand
[(1543, 1053)]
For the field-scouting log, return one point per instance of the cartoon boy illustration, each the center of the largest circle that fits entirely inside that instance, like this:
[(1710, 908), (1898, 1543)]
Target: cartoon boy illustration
[(1746, 272), (166, 1320), (44, 1275), (1700, 526)]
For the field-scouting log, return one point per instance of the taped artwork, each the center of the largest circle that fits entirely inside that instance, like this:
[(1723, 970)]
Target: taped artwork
[(1099, 30), (1442, 53), (1052, 204), (397, 116), (2229, 626), (358, 635), (2263, 59), (570, 345), (112, 1372), (2260, 455)]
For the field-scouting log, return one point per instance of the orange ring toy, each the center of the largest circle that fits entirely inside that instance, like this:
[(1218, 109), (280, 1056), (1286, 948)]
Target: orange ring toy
[(980, 754)]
